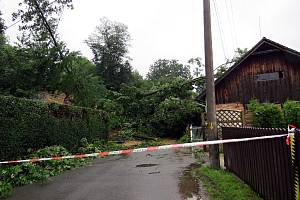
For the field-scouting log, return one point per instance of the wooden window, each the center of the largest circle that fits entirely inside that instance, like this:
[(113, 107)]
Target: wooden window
[(269, 76)]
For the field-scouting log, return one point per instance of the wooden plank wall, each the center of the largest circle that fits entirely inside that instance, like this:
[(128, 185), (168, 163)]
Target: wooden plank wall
[(240, 85), (262, 164)]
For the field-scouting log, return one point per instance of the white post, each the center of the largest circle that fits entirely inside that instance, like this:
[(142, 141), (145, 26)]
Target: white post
[(191, 132)]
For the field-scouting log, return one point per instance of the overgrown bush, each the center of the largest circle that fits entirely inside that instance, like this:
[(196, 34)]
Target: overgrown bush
[(27, 173), (5, 189), (28, 124), (268, 115), (253, 105), (292, 113)]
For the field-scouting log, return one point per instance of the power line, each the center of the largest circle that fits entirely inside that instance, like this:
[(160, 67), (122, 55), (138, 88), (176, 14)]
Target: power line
[(220, 29), (233, 23), (259, 24), (13, 24), (230, 26)]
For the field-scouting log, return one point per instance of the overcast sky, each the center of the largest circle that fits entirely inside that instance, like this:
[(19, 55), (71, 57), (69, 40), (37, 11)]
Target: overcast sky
[(173, 29)]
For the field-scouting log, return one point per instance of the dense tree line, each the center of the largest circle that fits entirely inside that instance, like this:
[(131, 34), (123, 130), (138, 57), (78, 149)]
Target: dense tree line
[(163, 103)]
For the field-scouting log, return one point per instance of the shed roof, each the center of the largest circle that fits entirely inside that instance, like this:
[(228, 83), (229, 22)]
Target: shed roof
[(264, 46)]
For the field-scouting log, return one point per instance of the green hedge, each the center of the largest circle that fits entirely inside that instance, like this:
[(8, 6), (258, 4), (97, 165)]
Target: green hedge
[(292, 113), (28, 124), (268, 115)]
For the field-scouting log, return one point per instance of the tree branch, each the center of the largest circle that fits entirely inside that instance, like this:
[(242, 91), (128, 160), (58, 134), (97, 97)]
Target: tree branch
[(47, 26)]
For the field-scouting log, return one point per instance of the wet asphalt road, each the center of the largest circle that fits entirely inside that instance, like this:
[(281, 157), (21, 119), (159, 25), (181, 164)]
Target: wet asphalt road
[(141, 176)]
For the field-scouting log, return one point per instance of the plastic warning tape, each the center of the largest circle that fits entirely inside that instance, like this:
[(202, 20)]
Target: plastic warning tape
[(294, 145), (149, 149)]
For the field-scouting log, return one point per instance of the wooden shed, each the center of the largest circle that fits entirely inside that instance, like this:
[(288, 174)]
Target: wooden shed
[(269, 72)]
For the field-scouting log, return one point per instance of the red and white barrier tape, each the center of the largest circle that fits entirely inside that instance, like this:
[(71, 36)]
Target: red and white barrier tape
[(154, 148)]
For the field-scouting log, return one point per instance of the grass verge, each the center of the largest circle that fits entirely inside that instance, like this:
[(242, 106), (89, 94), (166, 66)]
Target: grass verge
[(222, 185)]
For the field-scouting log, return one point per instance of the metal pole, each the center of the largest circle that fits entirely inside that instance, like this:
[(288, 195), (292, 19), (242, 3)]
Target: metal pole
[(210, 88)]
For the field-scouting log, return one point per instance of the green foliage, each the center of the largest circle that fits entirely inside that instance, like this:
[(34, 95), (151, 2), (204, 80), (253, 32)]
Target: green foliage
[(56, 167), (99, 146), (27, 69), (137, 80), (81, 81), (5, 189), (27, 173), (28, 124), (239, 53), (199, 153), (23, 174), (41, 63), (253, 105), (14, 76), (292, 113), (173, 115), (33, 14), (109, 45), (40, 20), (267, 115), (222, 185), (185, 138), (127, 133), (165, 112), (164, 69), (115, 114), (221, 70), (2, 25), (198, 66)]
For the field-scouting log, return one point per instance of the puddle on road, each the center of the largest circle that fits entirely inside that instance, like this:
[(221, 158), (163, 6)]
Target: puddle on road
[(146, 165), (189, 187)]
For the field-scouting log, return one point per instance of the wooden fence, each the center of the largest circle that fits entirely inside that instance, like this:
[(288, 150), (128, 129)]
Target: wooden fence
[(265, 165)]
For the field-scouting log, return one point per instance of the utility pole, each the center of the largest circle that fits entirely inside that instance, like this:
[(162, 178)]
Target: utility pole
[(214, 157)]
